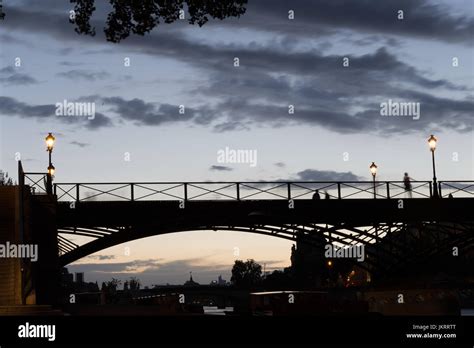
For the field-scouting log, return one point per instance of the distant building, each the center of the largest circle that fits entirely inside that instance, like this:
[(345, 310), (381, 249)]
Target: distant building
[(191, 282), (80, 277), (221, 281), (66, 277)]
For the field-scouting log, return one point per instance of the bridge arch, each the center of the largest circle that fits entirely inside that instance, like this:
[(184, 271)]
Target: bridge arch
[(316, 236)]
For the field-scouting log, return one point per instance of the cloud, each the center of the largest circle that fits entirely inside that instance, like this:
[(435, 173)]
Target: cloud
[(84, 74), (155, 271), (230, 126), (326, 175), (273, 76), (422, 18), (101, 257), (159, 271), (221, 168), (10, 76), (279, 164), (77, 143), (152, 114), (10, 39), (12, 107), (67, 63)]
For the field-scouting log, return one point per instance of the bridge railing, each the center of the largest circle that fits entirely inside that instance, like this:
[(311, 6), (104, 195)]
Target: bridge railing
[(37, 182), (259, 190), (458, 188)]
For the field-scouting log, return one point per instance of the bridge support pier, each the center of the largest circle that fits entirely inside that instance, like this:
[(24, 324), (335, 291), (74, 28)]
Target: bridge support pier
[(46, 271), (10, 268), (28, 226)]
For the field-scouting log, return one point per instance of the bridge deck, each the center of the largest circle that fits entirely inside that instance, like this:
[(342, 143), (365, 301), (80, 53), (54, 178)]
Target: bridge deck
[(359, 211)]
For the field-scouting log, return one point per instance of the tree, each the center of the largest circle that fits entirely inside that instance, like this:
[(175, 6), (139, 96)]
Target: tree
[(279, 280), (5, 180), (109, 291), (141, 16), (112, 285), (134, 284), (246, 274)]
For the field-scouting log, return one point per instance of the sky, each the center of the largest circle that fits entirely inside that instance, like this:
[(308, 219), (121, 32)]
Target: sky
[(335, 132)]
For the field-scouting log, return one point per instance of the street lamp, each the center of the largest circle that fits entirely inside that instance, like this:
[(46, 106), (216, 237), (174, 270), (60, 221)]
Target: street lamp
[(51, 169), (50, 139), (432, 142), (373, 170), (50, 142)]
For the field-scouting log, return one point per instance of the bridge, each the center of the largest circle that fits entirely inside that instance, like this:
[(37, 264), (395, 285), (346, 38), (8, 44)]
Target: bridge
[(352, 212), (381, 215)]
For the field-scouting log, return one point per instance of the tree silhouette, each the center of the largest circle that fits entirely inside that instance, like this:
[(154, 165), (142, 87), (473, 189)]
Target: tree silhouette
[(112, 285), (246, 274), (134, 283), (141, 16), (279, 280), (5, 180)]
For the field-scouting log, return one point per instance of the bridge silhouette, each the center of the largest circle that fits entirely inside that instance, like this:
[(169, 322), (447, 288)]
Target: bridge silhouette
[(357, 212), (397, 230)]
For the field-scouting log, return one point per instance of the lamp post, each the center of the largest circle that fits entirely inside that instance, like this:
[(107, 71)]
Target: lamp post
[(50, 139), (51, 169), (432, 142), (373, 170)]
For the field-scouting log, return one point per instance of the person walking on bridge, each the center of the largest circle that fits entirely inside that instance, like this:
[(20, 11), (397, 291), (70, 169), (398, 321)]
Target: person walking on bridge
[(407, 184), (316, 195)]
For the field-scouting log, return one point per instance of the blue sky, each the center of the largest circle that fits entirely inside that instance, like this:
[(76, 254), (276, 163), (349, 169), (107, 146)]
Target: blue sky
[(282, 62)]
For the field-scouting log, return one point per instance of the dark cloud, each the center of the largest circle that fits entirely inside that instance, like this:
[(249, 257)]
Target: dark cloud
[(326, 175), (153, 114), (7, 38), (12, 107), (230, 126), (221, 168), (422, 18), (84, 74), (331, 97), (10, 76), (18, 79), (66, 63), (271, 77), (77, 143)]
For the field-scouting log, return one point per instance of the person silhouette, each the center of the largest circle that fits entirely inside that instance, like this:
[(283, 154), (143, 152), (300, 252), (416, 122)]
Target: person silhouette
[(316, 195), (326, 195), (407, 184)]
